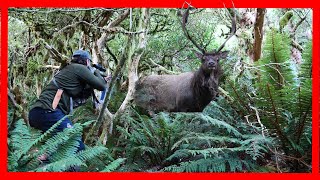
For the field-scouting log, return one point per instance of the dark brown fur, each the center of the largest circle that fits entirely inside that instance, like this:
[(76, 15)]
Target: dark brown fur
[(186, 92)]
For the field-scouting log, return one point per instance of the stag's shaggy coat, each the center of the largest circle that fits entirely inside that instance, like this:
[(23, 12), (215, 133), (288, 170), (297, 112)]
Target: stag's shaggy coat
[(186, 92)]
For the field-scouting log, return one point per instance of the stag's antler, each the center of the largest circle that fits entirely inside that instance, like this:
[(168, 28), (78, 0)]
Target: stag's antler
[(186, 33), (183, 24), (233, 31)]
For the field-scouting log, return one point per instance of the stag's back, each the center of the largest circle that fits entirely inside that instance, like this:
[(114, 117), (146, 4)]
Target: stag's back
[(161, 92), (186, 92)]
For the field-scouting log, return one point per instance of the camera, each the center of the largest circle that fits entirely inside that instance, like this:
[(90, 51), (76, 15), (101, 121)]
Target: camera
[(99, 67)]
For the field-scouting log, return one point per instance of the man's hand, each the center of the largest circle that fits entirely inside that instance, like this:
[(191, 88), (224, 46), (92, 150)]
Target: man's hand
[(108, 78)]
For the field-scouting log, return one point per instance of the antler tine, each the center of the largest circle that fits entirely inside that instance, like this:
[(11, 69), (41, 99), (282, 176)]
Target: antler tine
[(186, 33), (233, 31)]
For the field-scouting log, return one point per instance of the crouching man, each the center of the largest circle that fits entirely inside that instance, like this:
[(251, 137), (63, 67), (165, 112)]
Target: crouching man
[(69, 88)]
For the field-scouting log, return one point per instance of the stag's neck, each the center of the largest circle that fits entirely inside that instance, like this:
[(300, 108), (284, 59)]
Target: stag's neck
[(201, 77), (204, 85)]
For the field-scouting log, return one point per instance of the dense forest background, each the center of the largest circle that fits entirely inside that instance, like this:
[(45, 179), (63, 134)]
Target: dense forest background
[(261, 121)]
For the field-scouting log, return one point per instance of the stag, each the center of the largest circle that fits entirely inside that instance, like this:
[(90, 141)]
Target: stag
[(186, 92)]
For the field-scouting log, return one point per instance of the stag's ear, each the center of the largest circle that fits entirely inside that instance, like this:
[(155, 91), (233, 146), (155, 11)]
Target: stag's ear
[(199, 55), (223, 54)]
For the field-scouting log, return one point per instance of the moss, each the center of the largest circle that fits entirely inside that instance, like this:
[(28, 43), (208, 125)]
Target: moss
[(284, 20)]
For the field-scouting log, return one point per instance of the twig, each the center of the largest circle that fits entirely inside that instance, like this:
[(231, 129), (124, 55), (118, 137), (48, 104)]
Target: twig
[(276, 123), (238, 97), (296, 45), (56, 55), (162, 68), (60, 10), (258, 119), (12, 100), (277, 161), (98, 123), (50, 66), (112, 55), (225, 93), (300, 22), (290, 157)]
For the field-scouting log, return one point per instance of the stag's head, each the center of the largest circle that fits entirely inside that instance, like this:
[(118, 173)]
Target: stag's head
[(209, 60)]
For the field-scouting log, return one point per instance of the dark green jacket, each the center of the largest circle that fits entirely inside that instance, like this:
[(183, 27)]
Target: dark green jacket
[(73, 79)]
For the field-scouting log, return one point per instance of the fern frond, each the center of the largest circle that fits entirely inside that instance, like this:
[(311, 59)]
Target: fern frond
[(42, 137), (113, 165), (52, 144), (221, 124), (73, 160), (61, 165), (275, 60), (196, 138), (219, 164)]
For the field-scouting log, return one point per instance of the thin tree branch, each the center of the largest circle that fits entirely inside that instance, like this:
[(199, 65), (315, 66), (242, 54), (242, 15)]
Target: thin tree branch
[(162, 68), (96, 126), (112, 55)]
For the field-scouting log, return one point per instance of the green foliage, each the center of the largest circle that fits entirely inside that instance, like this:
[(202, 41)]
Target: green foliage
[(306, 67), (192, 142), (278, 99), (262, 118), (287, 101), (284, 20), (275, 62), (220, 164), (113, 165), (149, 139), (26, 146), (84, 113)]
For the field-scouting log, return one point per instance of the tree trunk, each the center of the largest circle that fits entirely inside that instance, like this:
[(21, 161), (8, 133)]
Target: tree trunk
[(258, 33), (135, 50), (134, 56)]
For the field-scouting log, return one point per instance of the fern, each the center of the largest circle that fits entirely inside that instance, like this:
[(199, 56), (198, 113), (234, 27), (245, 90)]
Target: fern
[(220, 164), (275, 61), (61, 165), (192, 142), (26, 145), (206, 140), (51, 145), (278, 103), (42, 137), (21, 137), (306, 67), (256, 146), (289, 105), (219, 123), (113, 165)]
